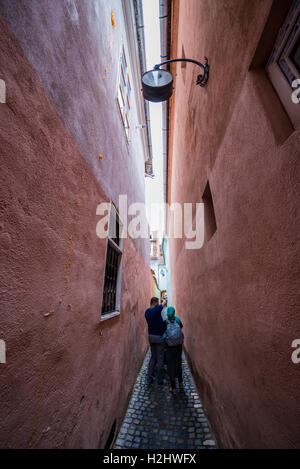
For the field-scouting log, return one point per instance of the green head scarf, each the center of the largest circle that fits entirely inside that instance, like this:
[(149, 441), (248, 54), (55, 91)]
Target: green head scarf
[(171, 313)]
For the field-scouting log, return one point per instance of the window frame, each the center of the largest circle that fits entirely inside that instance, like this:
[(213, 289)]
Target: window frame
[(280, 69), (123, 92), (111, 244)]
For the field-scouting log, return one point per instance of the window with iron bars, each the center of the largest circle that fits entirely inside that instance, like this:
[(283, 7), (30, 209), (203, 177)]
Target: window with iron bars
[(112, 277), (124, 92)]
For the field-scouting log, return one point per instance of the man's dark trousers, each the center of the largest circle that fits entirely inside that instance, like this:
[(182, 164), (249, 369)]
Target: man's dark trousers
[(156, 329), (157, 346)]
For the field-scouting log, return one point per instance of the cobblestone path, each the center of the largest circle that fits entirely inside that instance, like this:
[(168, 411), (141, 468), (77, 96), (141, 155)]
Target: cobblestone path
[(156, 419)]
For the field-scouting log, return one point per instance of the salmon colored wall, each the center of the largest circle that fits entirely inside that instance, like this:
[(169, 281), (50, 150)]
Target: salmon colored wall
[(75, 52), (68, 376), (240, 305)]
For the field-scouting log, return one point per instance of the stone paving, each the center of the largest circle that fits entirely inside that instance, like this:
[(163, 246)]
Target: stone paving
[(156, 419)]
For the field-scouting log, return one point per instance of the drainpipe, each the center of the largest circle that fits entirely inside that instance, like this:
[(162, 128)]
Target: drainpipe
[(165, 35)]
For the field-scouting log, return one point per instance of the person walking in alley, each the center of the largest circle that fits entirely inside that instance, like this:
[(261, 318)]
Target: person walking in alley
[(174, 339), (156, 329)]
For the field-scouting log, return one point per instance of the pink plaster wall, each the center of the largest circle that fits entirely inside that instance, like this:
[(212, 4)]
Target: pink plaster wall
[(68, 376), (238, 296), (75, 53)]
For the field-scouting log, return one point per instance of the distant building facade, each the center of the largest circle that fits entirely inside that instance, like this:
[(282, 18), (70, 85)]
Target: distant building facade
[(157, 261)]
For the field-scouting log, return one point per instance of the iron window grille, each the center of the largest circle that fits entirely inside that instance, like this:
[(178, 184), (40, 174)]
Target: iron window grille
[(112, 276)]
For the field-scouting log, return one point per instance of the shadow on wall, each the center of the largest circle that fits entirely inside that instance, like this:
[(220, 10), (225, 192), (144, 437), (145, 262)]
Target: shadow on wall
[(210, 222), (111, 436)]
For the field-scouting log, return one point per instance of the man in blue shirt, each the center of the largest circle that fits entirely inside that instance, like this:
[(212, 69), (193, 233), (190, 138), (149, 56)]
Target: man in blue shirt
[(156, 329)]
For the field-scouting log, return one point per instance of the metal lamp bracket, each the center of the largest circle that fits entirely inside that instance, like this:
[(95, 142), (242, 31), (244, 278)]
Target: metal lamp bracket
[(202, 79)]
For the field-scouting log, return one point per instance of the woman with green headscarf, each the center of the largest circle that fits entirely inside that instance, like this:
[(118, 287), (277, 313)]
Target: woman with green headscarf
[(174, 341)]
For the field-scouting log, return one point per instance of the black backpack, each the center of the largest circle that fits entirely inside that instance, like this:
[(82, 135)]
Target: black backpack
[(174, 334)]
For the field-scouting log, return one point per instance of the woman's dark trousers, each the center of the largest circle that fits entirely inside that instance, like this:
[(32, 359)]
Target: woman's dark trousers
[(174, 363)]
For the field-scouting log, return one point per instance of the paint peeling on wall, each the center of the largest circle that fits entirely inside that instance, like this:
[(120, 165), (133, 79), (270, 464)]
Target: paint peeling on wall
[(113, 22), (2, 92), (72, 10)]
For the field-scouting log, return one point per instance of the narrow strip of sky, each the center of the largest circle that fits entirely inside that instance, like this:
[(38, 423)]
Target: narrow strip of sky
[(154, 187)]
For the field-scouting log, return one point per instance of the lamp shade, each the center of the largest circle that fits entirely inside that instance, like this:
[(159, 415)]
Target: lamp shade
[(157, 85)]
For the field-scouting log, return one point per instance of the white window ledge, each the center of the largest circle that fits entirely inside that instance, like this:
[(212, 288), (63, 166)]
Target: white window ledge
[(109, 316)]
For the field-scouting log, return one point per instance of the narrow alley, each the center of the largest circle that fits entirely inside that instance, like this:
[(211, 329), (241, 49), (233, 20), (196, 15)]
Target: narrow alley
[(149, 213), (156, 419)]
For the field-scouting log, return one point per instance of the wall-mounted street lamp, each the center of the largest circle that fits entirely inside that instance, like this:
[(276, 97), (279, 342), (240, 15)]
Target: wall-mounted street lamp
[(158, 84)]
